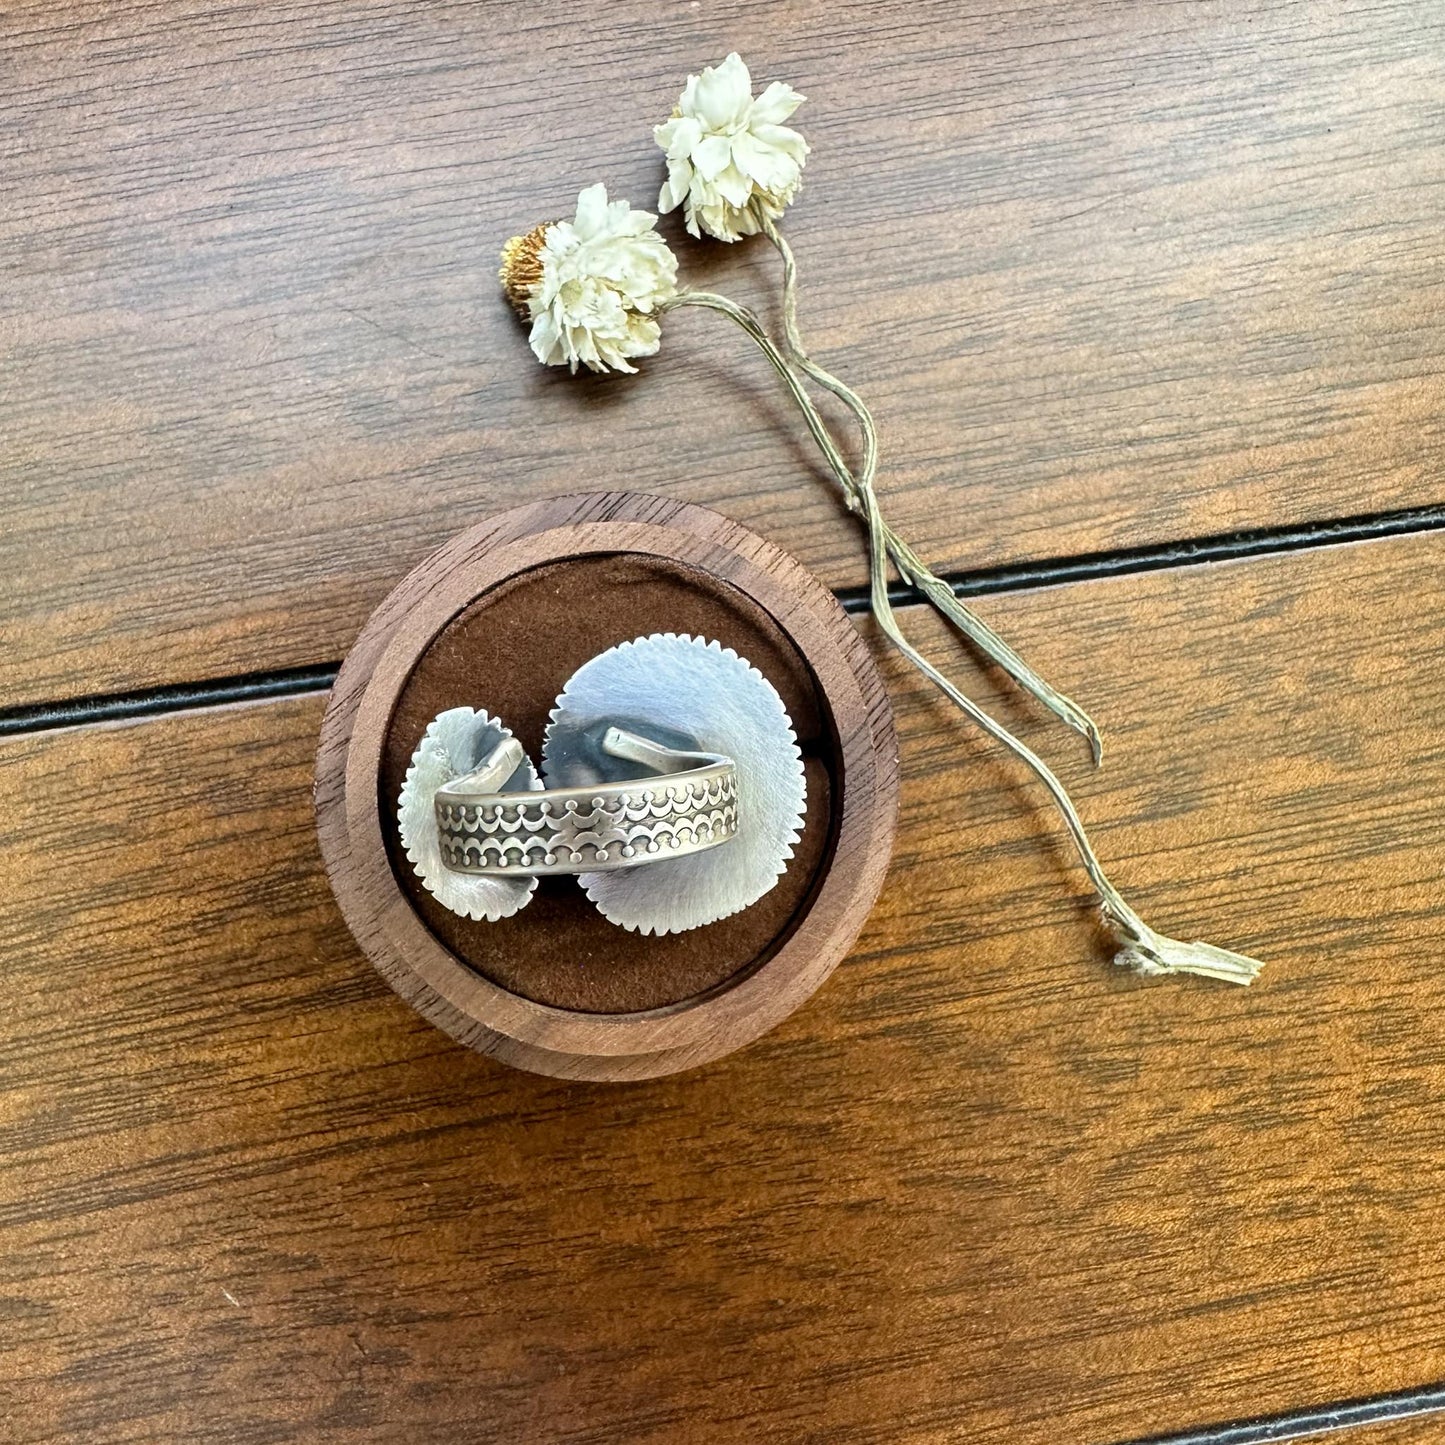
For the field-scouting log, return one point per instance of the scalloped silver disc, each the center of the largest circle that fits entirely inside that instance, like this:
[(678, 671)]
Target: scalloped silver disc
[(454, 744), (685, 692)]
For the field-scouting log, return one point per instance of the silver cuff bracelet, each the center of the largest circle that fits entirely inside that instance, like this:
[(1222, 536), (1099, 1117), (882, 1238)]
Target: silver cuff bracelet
[(689, 807)]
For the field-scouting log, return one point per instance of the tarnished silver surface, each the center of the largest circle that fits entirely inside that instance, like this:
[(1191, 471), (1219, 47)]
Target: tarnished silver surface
[(614, 822)]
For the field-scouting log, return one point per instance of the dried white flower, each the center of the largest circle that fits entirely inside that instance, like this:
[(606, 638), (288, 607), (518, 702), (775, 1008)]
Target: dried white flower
[(591, 286), (728, 153)]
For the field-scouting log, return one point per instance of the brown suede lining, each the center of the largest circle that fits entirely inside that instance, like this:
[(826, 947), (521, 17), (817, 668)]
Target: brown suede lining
[(510, 653)]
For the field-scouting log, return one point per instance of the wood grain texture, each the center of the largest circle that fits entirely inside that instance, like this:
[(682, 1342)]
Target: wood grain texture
[(982, 1189), (1109, 274)]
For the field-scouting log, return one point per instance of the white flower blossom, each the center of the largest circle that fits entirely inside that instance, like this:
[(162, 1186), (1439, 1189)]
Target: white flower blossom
[(729, 155), (592, 286)]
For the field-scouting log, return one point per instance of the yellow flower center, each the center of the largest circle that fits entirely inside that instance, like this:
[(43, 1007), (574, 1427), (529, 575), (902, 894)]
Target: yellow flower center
[(521, 269)]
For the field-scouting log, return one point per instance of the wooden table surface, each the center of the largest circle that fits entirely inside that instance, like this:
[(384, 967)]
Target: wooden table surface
[(1150, 304)]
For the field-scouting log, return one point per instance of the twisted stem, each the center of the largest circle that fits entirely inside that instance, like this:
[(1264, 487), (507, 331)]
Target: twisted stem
[(1142, 948), (910, 568)]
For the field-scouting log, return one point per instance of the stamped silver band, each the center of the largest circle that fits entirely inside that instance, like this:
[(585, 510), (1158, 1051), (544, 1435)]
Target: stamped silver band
[(692, 805)]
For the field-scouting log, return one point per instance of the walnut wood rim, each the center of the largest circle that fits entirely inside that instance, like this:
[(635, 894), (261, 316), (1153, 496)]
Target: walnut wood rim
[(481, 1014)]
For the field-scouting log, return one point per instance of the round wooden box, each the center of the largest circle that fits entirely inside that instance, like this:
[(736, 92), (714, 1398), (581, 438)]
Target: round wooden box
[(499, 619)]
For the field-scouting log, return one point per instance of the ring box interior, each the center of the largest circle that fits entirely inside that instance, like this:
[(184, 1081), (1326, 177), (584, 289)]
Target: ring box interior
[(510, 653)]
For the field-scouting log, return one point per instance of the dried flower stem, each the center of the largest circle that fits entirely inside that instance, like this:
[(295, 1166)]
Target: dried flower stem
[(910, 568), (749, 322), (1142, 949)]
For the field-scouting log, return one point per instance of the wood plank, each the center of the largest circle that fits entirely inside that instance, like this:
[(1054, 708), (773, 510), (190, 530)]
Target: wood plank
[(983, 1188), (1109, 274)]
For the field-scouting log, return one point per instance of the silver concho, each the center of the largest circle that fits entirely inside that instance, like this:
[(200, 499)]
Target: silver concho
[(692, 696), (454, 745)]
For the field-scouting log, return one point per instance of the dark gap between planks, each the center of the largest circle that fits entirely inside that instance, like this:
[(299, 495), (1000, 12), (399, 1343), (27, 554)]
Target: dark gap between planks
[(1258, 542), (291, 682), (1321, 1420)]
